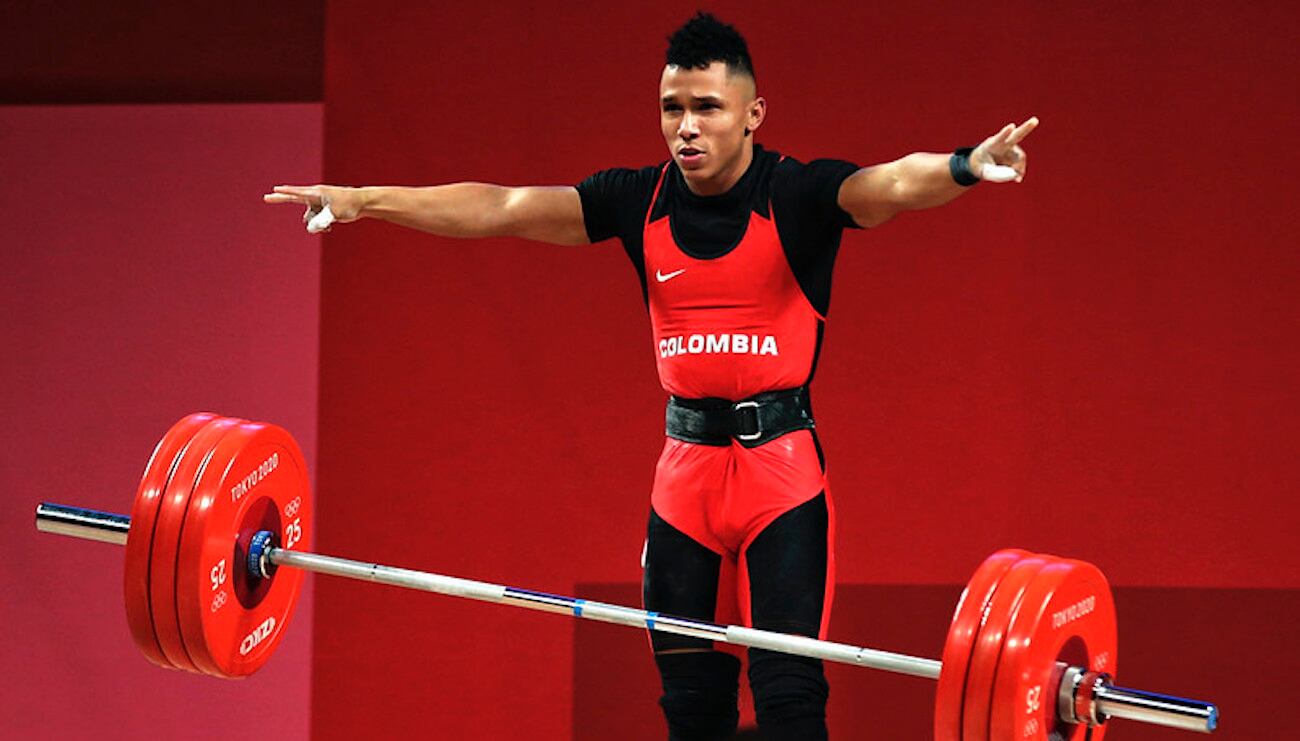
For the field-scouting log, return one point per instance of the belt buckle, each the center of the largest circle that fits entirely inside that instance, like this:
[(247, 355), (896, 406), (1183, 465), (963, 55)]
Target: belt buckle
[(758, 427)]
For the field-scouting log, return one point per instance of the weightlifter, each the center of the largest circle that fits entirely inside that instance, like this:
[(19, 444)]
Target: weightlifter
[(734, 245)]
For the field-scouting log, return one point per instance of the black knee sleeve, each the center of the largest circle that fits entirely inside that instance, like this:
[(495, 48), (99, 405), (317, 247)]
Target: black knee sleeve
[(699, 699), (789, 695)]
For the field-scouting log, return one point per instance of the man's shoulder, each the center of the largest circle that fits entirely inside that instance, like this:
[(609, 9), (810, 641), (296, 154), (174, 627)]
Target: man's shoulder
[(792, 173), (618, 187), (789, 164), (614, 200), (623, 177)]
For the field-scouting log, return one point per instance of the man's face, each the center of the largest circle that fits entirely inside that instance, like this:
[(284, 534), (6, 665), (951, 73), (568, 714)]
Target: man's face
[(706, 116)]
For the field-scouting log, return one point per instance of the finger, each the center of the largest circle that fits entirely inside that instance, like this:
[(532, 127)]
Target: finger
[(304, 193), (298, 190), (283, 198), (1009, 156), (1000, 139), (1023, 130)]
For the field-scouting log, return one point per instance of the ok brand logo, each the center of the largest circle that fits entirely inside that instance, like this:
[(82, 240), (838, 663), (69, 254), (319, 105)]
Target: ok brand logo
[(258, 635)]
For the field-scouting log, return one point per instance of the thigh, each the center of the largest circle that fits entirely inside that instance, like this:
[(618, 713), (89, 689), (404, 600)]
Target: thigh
[(790, 571), (681, 578)]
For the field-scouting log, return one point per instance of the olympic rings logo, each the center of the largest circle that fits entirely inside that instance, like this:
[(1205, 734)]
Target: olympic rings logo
[(219, 600), (291, 509)]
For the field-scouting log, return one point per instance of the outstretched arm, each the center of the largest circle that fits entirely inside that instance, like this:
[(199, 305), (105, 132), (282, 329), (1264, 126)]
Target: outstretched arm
[(874, 195), (541, 213)]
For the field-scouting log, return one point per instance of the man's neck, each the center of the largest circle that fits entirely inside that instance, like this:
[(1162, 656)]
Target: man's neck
[(727, 179)]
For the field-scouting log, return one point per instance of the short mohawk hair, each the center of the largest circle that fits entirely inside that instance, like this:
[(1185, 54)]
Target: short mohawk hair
[(703, 40)]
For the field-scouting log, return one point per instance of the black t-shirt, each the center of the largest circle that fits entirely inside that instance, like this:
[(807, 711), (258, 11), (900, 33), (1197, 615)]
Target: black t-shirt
[(803, 197)]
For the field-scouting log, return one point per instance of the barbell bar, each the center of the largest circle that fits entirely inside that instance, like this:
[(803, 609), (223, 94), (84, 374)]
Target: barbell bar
[(249, 491)]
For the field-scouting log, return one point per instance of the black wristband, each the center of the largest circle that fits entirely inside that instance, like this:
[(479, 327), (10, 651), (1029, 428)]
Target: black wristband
[(959, 166)]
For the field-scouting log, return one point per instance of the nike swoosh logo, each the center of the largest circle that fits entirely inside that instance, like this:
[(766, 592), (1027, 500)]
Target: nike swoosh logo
[(661, 277)]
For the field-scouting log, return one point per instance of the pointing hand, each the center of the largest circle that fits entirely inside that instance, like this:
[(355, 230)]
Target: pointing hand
[(999, 158), (325, 204)]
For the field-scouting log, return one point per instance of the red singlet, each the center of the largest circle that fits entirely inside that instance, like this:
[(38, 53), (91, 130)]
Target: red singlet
[(730, 327)]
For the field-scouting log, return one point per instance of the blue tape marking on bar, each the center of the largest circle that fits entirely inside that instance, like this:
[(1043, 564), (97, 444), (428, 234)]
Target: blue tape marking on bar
[(650, 620), (577, 607)]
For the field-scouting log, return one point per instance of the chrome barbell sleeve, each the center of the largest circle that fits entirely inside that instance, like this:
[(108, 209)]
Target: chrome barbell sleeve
[(88, 524)]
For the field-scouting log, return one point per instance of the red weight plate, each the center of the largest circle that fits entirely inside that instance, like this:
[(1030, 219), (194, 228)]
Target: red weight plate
[(988, 645), (139, 539), (166, 539), (965, 626), (256, 480), (1066, 615)]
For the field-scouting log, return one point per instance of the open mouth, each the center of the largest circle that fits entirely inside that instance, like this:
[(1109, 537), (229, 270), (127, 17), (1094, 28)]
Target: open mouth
[(689, 155)]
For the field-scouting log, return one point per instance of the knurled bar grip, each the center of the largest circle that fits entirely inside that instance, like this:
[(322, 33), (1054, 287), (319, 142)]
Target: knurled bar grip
[(1112, 701)]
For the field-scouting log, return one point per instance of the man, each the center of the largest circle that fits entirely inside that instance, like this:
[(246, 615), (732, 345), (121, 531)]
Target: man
[(734, 245)]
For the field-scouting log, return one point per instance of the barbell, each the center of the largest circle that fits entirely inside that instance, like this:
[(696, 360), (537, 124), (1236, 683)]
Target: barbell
[(215, 556)]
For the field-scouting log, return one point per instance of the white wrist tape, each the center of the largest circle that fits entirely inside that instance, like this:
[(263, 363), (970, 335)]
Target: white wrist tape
[(998, 173), (320, 221)]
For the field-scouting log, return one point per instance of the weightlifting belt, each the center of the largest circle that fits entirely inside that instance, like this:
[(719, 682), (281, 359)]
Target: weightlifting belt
[(751, 422)]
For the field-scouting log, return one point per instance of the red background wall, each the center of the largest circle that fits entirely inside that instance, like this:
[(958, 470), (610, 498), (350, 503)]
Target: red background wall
[(1100, 362), (142, 51), (140, 280)]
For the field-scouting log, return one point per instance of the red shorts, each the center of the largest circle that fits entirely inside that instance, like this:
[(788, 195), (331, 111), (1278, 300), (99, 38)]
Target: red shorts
[(724, 497)]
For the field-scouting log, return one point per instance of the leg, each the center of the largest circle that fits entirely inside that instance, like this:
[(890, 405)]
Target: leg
[(699, 683), (788, 566)]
